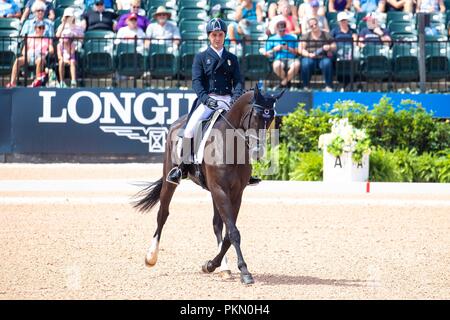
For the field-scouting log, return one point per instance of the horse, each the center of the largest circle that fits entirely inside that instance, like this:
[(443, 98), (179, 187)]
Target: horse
[(226, 182)]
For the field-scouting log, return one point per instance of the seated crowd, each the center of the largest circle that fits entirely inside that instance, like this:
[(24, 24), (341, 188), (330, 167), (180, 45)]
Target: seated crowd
[(299, 37)]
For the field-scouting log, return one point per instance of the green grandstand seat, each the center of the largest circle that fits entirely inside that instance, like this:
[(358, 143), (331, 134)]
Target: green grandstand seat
[(331, 17), (192, 26), (402, 28), (436, 60), (161, 63), (192, 14), (97, 57), (166, 3), (193, 35), (192, 4), (361, 25), (100, 34), (129, 62), (359, 16), (10, 24), (398, 16), (65, 3), (8, 53), (188, 49), (255, 65), (376, 65), (405, 61)]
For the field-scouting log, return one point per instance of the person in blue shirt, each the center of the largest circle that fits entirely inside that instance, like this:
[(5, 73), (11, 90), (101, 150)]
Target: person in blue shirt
[(283, 48), (9, 9), (369, 5), (344, 36)]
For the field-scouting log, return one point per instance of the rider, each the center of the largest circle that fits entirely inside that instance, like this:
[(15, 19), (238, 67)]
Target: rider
[(217, 81)]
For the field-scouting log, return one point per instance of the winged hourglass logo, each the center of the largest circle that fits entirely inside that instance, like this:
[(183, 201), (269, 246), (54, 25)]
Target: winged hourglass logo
[(155, 137)]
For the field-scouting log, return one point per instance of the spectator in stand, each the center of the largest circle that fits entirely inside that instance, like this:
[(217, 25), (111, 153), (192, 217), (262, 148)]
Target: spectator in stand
[(163, 31), (292, 25), (369, 5), (67, 33), (317, 48), (48, 14), (98, 18), (430, 6), (237, 32), (250, 10), (9, 9), (35, 51), (322, 20), (305, 10), (107, 3), (128, 34), (283, 49), (38, 10), (344, 36), (142, 20), (273, 9), (123, 4), (340, 5), (373, 33), (400, 5)]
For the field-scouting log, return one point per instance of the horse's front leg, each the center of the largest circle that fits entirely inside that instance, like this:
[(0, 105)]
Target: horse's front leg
[(225, 271), (227, 211)]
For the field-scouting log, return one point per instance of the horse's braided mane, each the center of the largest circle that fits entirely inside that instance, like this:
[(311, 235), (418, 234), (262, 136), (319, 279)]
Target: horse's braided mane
[(247, 95)]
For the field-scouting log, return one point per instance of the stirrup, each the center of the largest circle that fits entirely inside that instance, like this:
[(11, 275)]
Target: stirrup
[(174, 175)]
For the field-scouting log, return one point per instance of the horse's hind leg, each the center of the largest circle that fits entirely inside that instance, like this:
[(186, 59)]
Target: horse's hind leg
[(167, 192), (218, 228)]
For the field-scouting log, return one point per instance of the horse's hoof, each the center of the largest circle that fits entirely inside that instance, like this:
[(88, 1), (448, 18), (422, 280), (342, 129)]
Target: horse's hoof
[(247, 279), (150, 262), (207, 267), (226, 275)]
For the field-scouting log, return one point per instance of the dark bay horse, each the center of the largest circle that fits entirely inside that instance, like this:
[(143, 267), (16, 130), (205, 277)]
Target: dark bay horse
[(226, 181)]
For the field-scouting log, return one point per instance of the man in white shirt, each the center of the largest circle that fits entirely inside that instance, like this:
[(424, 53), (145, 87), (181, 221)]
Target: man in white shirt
[(163, 31)]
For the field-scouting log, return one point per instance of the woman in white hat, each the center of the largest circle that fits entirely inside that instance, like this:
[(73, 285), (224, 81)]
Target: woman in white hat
[(68, 33)]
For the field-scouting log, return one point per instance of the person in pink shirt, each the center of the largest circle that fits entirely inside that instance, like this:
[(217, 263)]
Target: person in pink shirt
[(35, 51)]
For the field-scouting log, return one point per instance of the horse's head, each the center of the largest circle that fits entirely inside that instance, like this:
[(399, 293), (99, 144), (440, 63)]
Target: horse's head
[(263, 109), (260, 117)]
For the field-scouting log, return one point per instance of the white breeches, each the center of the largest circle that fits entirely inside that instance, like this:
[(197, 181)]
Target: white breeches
[(203, 112)]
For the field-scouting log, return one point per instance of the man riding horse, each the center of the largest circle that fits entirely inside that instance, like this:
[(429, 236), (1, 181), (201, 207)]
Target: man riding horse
[(217, 81)]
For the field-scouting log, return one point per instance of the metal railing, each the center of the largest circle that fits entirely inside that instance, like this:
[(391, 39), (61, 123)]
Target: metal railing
[(138, 63)]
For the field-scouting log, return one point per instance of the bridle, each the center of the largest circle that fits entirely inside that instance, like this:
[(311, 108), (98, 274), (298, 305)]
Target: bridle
[(267, 113)]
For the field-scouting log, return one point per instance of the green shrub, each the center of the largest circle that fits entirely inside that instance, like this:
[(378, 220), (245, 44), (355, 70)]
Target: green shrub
[(309, 167), (383, 166)]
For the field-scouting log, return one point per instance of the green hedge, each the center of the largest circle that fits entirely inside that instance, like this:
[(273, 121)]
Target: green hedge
[(408, 143)]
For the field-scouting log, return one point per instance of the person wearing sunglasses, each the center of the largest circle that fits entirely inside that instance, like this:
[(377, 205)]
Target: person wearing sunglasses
[(35, 52), (98, 18), (38, 10), (283, 48), (135, 8), (317, 47), (29, 14)]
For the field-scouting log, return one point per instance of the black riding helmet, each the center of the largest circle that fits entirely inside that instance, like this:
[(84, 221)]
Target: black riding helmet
[(216, 24)]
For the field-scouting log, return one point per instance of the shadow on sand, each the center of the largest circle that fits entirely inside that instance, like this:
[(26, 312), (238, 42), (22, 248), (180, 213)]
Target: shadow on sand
[(277, 279)]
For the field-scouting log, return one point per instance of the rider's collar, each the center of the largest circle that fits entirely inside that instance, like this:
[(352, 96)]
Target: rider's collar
[(219, 53)]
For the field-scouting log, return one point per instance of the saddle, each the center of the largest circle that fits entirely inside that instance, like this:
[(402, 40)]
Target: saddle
[(202, 132)]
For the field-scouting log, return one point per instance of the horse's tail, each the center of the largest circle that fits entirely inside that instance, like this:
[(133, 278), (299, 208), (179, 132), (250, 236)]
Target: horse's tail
[(149, 196)]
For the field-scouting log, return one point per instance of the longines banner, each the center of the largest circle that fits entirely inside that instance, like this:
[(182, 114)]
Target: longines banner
[(97, 121)]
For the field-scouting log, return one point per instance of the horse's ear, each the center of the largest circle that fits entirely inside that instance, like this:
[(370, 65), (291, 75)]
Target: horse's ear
[(278, 96), (256, 91)]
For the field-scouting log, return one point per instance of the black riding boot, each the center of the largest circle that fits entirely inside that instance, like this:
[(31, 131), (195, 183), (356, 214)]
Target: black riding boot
[(253, 181), (177, 173)]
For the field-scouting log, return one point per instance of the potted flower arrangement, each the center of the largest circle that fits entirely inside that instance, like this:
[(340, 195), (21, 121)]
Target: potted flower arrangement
[(346, 152)]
